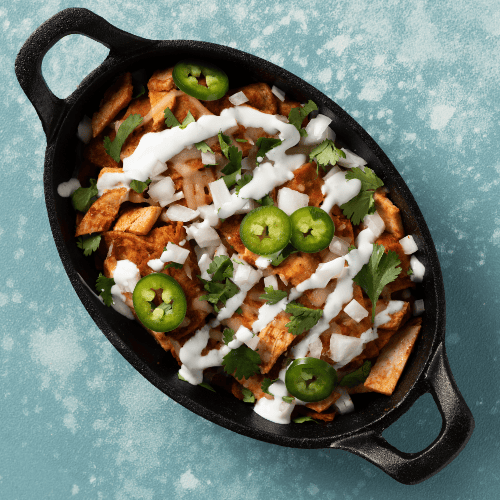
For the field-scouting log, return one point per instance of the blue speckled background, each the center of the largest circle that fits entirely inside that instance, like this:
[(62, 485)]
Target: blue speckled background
[(77, 421)]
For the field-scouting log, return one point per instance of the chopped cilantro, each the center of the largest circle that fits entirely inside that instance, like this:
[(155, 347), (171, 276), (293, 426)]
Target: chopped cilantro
[(233, 168), (83, 198), (288, 399), (305, 418), (241, 140), (380, 270), (265, 145), (189, 119), (267, 200), (239, 310), (241, 362), (248, 396), (103, 286), (113, 148), (221, 267), (142, 91), (203, 147), (273, 296), (225, 142), (297, 115), (410, 271), (218, 292), (89, 244), (286, 252), (172, 121), (351, 247), (266, 383), (363, 203), (228, 335), (175, 265), (326, 154), (302, 318), (358, 376), (243, 181), (139, 186)]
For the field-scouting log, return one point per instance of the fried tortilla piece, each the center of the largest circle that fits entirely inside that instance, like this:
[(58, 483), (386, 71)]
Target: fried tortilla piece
[(94, 151), (102, 212), (389, 213), (403, 280), (284, 107), (250, 309), (254, 383), (324, 404), (159, 102), (297, 267), (185, 104), (343, 228), (392, 359), (306, 180), (138, 220), (161, 80), (114, 100), (274, 341), (259, 96)]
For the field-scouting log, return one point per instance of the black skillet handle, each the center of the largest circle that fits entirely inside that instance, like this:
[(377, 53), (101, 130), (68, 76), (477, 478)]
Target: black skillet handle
[(67, 22), (458, 424)]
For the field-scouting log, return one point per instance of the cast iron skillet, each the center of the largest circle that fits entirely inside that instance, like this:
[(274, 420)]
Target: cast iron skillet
[(360, 432)]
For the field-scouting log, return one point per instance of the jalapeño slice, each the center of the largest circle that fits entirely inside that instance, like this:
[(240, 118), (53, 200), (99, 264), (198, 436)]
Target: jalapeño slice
[(310, 379), (312, 229), (187, 73), (265, 230), (159, 315)]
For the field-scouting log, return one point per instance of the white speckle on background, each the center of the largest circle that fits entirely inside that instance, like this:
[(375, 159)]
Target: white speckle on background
[(75, 490), (188, 481), (373, 90), (7, 343), (440, 116), (325, 75), (4, 298), (313, 489), (337, 44)]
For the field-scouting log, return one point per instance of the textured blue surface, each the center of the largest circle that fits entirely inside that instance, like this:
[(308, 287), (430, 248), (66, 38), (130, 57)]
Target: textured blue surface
[(77, 420)]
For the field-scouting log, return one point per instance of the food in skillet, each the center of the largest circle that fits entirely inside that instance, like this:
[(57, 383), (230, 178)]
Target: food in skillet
[(265, 258)]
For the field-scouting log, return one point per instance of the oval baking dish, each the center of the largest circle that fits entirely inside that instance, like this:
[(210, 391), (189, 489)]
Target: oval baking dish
[(360, 432)]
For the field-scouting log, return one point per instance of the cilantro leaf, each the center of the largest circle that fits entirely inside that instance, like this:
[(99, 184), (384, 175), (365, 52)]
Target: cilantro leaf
[(142, 91), (266, 383), (243, 181), (207, 386), (221, 267), (297, 115), (83, 198), (410, 271), (228, 335), (89, 244), (203, 147), (225, 142), (103, 286), (218, 292), (113, 148), (248, 396), (302, 319), (267, 200), (351, 247), (288, 399), (170, 119), (363, 203), (357, 376), (241, 140), (265, 145), (241, 362), (273, 296), (233, 168), (175, 265), (305, 418), (139, 186), (380, 270), (286, 252), (239, 310), (326, 154), (189, 119)]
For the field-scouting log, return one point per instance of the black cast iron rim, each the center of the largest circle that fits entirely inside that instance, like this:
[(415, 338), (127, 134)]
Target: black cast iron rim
[(360, 433)]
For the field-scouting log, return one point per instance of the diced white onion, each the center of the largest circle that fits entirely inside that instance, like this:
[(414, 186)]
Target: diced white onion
[(369, 335), (253, 342), (339, 246), (355, 310), (208, 158), (242, 274), (164, 192), (221, 250), (84, 131), (247, 207), (418, 270), (408, 244), (344, 404), (158, 169), (238, 98), (418, 307), (317, 126), (174, 253), (351, 159), (344, 349), (315, 348), (156, 265), (209, 212), (290, 200), (203, 234), (271, 280), (331, 172), (220, 193), (66, 189), (262, 262), (375, 223), (181, 213), (204, 262), (278, 93)]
